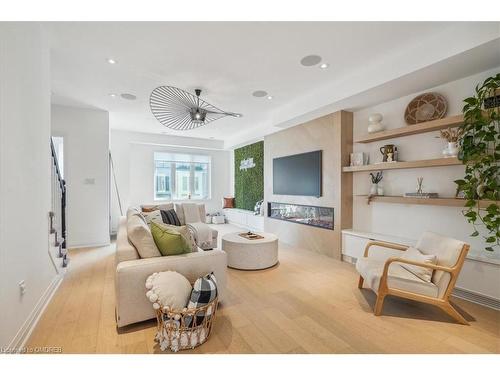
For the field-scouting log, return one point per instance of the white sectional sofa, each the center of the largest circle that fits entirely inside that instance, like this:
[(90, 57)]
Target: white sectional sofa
[(131, 272)]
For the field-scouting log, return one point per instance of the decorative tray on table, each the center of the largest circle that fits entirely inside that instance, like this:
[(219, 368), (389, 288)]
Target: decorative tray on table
[(251, 236)]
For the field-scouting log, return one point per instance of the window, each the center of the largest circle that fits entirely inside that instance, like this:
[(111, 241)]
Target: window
[(181, 176)]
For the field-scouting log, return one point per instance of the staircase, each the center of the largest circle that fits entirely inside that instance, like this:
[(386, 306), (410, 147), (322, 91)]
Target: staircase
[(57, 217)]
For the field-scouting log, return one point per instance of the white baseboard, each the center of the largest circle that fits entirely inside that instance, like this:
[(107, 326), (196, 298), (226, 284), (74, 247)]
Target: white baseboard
[(24, 333), (87, 245)]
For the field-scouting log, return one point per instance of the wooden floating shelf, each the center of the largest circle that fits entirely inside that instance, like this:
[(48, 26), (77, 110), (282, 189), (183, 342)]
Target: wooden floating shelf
[(425, 127), (453, 202), (442, 162)]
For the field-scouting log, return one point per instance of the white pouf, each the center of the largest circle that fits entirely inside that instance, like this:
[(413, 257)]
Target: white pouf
[(168, 289), (248, 254)]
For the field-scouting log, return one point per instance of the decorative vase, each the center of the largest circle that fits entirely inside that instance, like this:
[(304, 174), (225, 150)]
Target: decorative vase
[(380, 190), (375, 123), (451, 150), (374, 189)]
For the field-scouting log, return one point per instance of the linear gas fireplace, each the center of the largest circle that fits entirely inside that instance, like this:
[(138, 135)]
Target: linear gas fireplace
[(315, 216)]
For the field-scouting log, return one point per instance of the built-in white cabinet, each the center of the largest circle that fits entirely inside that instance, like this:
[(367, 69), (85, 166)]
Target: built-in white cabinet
[(245, 219)]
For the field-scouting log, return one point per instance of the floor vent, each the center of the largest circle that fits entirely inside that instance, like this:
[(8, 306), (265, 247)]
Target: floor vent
[(476, 298)]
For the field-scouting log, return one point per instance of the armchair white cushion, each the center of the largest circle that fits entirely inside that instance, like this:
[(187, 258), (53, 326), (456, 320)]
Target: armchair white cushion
[(447, 250), (398, 277)]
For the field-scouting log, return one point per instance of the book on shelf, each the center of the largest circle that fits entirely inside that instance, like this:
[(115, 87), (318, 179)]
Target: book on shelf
[(420, 195)]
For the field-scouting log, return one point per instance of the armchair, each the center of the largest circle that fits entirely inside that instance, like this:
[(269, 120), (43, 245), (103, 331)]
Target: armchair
[(387, 276)]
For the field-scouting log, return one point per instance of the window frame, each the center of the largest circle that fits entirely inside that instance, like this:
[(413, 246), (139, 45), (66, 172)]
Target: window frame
[(191, 178)]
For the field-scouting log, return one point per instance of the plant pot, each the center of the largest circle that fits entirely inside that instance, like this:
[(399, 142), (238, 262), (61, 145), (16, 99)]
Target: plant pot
[(374, 189)]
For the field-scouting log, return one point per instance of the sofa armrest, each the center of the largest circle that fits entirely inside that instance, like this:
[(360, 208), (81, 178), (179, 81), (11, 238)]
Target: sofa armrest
[(130, 279), (191, 265)]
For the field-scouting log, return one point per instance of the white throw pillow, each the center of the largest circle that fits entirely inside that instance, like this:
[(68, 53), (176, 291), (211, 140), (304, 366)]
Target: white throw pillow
[(140, 235), (168, 288), (421, 272)]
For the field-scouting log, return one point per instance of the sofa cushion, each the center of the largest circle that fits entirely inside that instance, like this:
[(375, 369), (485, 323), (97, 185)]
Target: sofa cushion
[(168, 240), (398, 277), (414, 254), (191, 213), (179, 209), (168, 288), (170, 217), (134, 211), (180, 213), (140, 235)]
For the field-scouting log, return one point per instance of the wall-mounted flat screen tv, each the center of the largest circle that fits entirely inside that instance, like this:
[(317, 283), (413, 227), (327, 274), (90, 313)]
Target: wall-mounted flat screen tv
[(298, 174)]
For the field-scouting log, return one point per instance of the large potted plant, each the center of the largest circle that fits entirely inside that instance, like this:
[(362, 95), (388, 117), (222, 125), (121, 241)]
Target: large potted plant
[(480, 153)]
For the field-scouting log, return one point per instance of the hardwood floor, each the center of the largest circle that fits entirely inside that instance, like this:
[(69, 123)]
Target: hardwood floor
[(308, 303)]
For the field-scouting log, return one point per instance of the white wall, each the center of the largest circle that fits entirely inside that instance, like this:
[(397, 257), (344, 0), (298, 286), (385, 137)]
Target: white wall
[(25, 197), (133, 156), (86, 172), (409, 221)]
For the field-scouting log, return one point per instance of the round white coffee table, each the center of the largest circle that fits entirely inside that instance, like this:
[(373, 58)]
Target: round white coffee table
[(245, 254)]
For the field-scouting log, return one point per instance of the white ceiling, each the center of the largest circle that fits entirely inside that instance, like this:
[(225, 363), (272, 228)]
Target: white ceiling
[(231, 60)]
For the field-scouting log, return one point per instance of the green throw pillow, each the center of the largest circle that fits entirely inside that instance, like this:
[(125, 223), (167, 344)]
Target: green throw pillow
[(169, 241)]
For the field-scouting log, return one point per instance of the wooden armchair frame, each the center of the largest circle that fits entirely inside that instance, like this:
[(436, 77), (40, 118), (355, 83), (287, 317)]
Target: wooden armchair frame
[(443, 302)]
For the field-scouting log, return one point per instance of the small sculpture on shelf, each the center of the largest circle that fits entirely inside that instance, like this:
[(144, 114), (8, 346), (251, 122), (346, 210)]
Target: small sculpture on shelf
[(375, 123)]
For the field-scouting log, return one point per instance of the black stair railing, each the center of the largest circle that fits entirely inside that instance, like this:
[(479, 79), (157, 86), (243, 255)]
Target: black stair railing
[(58, 214)]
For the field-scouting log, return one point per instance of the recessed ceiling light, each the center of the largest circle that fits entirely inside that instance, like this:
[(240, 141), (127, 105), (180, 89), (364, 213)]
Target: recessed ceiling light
[(128, 96), (324, 66), (259, 93), (269, 97), (112, 95), (111, 61), (310, 60)]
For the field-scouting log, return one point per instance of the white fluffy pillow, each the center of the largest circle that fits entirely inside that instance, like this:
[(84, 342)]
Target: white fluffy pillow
[(421, 272), (168, 289)]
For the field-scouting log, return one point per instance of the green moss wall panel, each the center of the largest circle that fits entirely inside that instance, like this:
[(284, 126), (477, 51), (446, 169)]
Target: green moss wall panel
[(249, 183)]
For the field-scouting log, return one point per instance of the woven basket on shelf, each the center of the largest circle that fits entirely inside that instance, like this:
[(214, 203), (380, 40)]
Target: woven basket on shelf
[(186, 328)]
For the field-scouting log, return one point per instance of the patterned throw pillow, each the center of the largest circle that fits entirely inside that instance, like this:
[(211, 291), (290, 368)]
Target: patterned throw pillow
[(204, 292), (170, 217), (153, 216)]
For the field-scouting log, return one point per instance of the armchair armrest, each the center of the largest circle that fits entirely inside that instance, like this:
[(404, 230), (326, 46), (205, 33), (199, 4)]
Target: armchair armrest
[(415, 263), (384, 244), (383, 280)]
